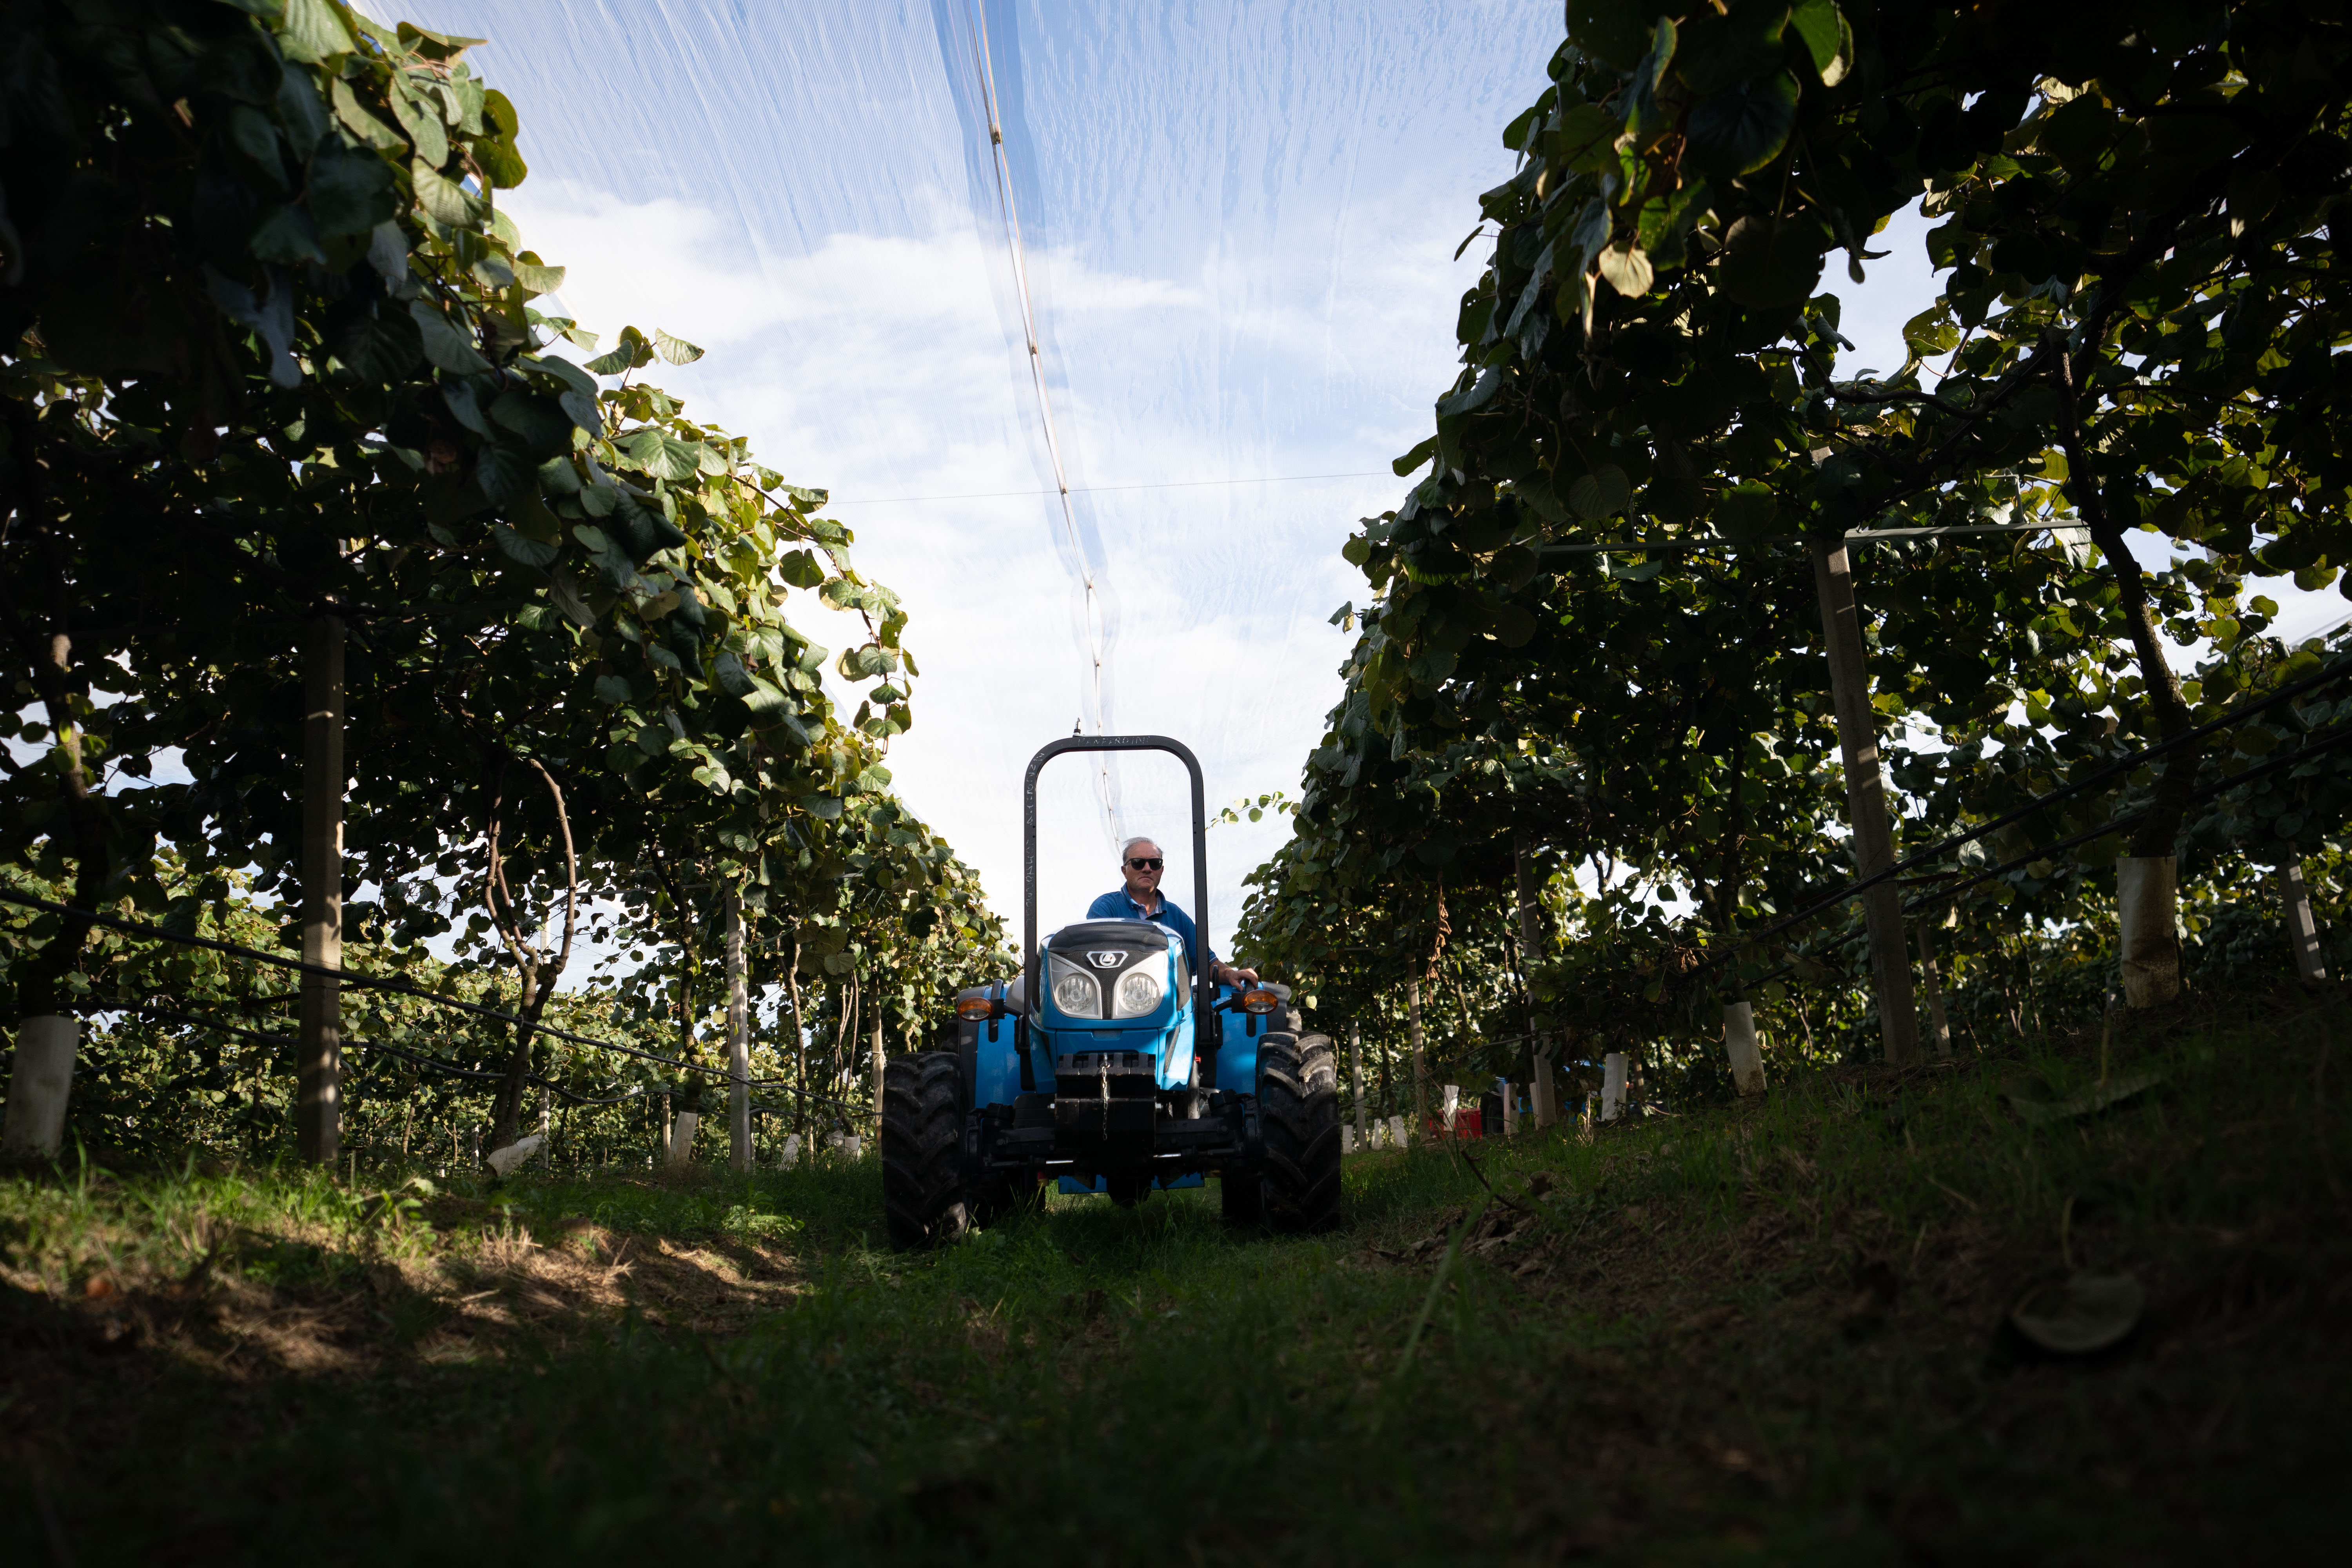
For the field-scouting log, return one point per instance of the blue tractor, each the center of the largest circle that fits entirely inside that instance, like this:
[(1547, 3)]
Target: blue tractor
[(1109, 1065)]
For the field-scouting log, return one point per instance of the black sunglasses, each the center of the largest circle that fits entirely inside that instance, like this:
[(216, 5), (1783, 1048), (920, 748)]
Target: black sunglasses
[(1141, 864)]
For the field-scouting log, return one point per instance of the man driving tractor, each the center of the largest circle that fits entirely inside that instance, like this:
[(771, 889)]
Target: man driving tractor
[(1141, 864)]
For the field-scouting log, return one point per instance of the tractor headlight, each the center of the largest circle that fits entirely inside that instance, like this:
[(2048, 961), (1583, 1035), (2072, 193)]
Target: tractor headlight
[(1139, 992), (1076, 992)]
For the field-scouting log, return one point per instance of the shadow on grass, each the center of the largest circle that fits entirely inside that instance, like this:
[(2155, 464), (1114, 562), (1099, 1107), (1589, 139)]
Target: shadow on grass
[(1770, 1331)]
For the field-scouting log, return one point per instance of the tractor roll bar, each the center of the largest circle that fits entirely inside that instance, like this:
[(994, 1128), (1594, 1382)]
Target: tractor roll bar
[(1204, 987)]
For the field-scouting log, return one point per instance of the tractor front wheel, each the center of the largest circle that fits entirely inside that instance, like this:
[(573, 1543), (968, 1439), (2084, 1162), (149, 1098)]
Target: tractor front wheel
[(1298, 1118), (923, 1187)]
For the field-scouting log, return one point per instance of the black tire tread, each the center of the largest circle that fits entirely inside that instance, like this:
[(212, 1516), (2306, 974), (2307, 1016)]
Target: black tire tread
[(923, 1187), (1298, 1119)]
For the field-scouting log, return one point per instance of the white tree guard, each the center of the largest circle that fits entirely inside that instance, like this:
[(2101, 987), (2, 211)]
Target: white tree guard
[(1739, 1040), (2147, 902), (39, 1086)]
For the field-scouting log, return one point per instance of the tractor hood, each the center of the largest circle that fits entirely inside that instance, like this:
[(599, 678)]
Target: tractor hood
[(1112, 971)]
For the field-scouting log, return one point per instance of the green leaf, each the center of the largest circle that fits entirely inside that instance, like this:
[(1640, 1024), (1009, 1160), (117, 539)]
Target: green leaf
[(445, 345), (1746, 511), (311, 31), (362, 122), (568, 598), (1766, 265), (614, 689), (1613, 30), (1824, 32), (1602, 494), (732, 678), (520, 547), (348, 191), (1741, 129), (422, 122), (381, 343), (674, 351), (506, 471), (1490, 380), (1405, 466), (535, 277), (439, 199), (538, 419), (1721, 52), (801, 569), (1626, 270), (501, 163), (286, 237)]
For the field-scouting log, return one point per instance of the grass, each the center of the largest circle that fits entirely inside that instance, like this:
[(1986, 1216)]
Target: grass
[(1773, 1333)]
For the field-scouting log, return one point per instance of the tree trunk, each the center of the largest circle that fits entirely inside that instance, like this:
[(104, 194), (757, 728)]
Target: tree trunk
[(2151, 960), (876, 1064), (1874, 844), (1539, 1073), (318, 1045), (40, 1084), (739, 1038), (538, 972), (1419, 1053), (800, 1035), (1943, 1029), (1356, 1075)]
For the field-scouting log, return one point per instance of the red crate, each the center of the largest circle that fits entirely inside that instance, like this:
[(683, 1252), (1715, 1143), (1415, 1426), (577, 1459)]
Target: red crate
[(1468, 1123)]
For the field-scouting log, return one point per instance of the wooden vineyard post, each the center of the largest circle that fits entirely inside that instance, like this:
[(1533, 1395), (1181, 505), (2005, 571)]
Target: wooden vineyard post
[(1865, 794), (1936, 1018), (2302, 930), (1420, 1059), (1356, 1075), (739, 1039), (318, 1041), (877, 1062), (1539, 1080)]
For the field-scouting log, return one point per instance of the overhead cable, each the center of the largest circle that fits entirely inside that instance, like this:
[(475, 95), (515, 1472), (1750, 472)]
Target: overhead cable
[(1092, 608)]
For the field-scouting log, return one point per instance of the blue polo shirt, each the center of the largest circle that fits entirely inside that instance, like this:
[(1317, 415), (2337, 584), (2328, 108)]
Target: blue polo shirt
[(1116, 905)]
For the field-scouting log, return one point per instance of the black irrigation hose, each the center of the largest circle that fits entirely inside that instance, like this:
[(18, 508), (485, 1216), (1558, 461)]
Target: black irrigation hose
[(2121, 764)]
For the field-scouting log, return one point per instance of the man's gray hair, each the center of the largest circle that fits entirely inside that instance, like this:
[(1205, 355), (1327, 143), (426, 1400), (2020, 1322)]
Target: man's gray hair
[(1128, 848)]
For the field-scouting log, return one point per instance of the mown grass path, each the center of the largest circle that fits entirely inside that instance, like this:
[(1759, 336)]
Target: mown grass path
[(1771, 1333)]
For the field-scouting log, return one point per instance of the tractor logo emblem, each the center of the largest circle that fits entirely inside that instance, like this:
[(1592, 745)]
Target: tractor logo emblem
[(1107, 960)]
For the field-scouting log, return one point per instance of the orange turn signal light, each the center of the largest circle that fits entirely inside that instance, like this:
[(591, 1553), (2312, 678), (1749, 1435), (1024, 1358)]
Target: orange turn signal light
[(1259, 1001), (975, 1009)]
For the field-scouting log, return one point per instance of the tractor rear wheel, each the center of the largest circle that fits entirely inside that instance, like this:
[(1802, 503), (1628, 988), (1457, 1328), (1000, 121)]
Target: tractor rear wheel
[(923, 1187), (1298, 1118)]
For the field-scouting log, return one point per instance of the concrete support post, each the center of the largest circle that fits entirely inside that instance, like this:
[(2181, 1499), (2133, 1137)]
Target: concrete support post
[(2302, 930), (318, 1041), (1865, 788)]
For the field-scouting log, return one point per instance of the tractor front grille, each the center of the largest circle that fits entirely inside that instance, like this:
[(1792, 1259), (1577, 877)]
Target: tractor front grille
[(1106, 1096)]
